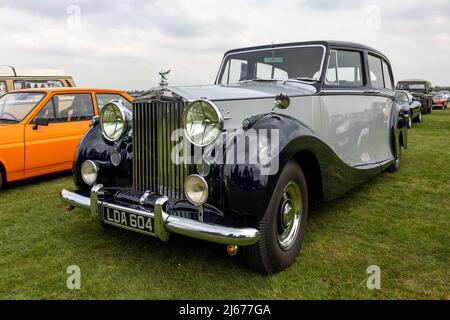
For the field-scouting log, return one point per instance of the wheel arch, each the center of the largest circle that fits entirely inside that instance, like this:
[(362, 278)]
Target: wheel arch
[(310, 165)]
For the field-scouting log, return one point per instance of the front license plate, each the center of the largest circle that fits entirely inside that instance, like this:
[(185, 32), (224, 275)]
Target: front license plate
[(130, 221)]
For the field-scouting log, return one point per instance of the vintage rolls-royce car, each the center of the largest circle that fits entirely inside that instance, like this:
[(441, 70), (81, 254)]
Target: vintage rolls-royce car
[(283, 125)]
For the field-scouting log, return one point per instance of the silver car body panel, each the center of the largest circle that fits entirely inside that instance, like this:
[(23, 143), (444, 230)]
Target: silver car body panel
[(355, 125)]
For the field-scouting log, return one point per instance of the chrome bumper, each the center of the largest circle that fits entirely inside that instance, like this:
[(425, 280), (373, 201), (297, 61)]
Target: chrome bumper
[(164, 224)]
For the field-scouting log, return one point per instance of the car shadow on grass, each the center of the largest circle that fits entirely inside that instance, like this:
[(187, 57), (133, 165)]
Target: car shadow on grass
[(10, 186)]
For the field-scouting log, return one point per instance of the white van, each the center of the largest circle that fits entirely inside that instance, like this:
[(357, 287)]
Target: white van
[(13, 78)]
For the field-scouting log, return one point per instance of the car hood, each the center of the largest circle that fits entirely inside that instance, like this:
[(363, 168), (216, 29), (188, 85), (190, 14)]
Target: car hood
[(243, 91), (239, 101)]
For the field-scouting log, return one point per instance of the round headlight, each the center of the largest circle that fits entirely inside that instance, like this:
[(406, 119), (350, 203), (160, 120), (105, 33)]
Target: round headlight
[(89, 172), (203, 122), (113, 121), (196, 189)]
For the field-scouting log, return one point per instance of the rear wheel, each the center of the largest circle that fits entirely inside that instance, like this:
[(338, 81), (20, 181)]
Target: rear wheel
[(283, 225), (396, 166), (419, 117)]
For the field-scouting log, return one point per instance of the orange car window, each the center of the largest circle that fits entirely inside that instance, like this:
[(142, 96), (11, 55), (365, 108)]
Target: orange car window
[(17, 105), (47, 112), (73, 107)]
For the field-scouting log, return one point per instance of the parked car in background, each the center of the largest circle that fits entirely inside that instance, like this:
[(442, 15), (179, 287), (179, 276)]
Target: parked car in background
[(421, 89), (324, 119), (410, 104), (12, 78), (446, 94), (439, 101), (40, 128)]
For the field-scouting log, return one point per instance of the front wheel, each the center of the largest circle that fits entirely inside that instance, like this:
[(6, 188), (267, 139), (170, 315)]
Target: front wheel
[(410, 120), (282, 227), (1, 179)]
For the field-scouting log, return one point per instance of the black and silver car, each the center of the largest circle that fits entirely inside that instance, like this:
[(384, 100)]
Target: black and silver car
[(410, 104), (238, 162)]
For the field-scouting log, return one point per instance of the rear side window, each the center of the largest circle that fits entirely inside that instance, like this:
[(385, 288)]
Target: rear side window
[(2, 87), (345, 69), (73, 107), (387, 74), (104, 98), (36, 84), (376, 72)]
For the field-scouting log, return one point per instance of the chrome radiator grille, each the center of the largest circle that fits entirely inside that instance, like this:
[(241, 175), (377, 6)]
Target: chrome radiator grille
[(153, 168)]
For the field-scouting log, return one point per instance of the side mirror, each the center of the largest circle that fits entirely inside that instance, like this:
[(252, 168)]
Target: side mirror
[(282, 101), (40, 122)]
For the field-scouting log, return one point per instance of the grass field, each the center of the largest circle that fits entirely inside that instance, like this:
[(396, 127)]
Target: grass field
[(399, 222)]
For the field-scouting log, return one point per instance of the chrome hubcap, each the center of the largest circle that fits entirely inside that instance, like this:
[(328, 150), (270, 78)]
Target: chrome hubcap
[(289, 216)]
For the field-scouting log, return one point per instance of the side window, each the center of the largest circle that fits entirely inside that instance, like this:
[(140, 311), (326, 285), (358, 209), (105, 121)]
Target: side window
[(345, 69), (104, 98), (73, 107), (387, 76), (376, 72), (47, 112), (36, 84), (235, 71), (2, 87)]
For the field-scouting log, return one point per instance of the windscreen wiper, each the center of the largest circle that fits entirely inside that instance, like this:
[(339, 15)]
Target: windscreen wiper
[(259, 80), (304, 79)]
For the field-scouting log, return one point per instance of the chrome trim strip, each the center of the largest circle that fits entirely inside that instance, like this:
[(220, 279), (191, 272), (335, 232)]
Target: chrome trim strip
[(164, 223)]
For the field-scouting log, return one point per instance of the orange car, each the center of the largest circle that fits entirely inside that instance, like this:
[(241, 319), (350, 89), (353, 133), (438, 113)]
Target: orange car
[(40, 128)]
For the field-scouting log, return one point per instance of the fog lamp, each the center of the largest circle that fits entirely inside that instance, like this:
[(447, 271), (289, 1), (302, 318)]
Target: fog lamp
[(89, 172), (196, 189)]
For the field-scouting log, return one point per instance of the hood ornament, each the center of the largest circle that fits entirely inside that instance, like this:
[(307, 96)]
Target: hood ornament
[(164, 81)]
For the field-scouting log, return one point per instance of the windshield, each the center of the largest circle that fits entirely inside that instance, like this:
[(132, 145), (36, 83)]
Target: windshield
[(14, 107), (412, 86), (301, 63), (401, 96)]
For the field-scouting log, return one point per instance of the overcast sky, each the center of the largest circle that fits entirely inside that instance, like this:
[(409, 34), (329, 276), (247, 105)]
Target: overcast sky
[(123, 44)]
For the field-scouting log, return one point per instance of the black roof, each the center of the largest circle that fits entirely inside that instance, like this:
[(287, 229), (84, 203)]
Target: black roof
[(333, 43)]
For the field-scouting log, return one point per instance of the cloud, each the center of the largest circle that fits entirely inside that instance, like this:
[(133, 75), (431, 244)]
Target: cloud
[(124, 44)]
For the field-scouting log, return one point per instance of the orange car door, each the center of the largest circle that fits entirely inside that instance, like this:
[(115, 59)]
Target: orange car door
[(52, 137)]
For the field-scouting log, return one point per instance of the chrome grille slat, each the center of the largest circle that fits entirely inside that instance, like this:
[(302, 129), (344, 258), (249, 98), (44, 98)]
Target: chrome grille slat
[(153, 169)]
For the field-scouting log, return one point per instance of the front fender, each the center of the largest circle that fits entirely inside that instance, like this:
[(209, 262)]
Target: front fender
[(94, 147)]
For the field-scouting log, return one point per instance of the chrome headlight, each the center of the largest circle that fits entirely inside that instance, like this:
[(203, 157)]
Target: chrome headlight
[(203, 122), (89, 172), (113, 120)]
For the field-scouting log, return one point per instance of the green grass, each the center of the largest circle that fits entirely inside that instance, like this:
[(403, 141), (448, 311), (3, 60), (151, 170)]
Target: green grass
[(397, 221)]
